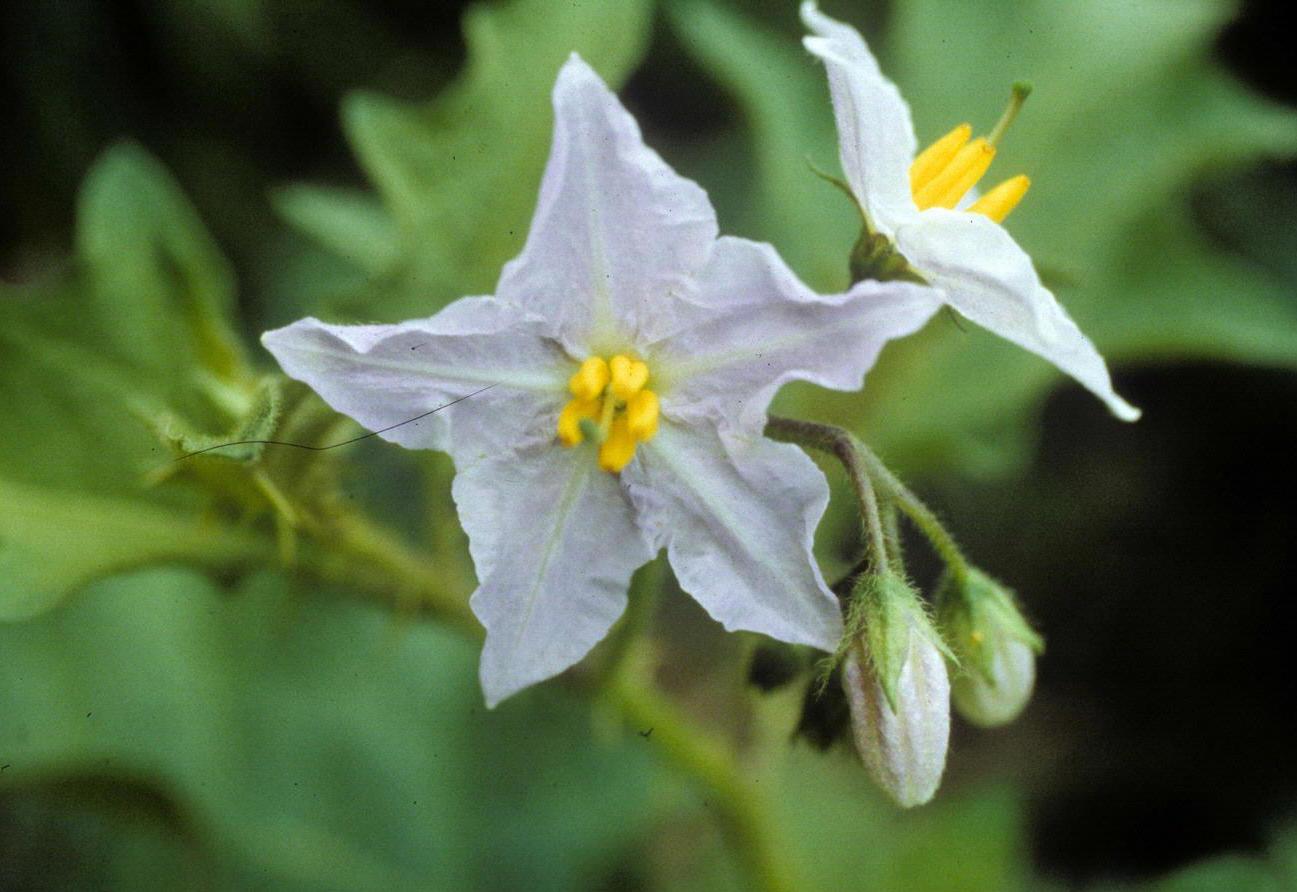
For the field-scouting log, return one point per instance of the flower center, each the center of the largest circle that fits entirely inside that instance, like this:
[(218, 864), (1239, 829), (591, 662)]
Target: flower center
[(611, 405), (944, 172)]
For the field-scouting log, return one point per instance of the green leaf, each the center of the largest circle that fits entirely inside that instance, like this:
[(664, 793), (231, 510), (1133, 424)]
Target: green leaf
[(104, 368), (784, 101), (53, 541), (1225, 874), (314, 743), (847, 836), (1129, 112), (459, 175), (158, 290), (354, 225)]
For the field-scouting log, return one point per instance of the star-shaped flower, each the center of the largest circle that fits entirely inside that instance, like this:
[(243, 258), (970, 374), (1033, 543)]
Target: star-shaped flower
[(915, 204), (631, 355)]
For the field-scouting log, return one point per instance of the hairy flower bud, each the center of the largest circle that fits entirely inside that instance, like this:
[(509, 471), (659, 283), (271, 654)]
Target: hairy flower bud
[(899, 693), (995, 646)]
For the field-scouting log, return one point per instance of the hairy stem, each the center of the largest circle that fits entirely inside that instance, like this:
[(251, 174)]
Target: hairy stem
[(920, 514), (846, 448), (862, 466), (359, 554)]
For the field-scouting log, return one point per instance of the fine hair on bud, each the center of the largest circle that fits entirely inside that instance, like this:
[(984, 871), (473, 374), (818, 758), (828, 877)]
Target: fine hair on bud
[(898, 691), (995, 645)]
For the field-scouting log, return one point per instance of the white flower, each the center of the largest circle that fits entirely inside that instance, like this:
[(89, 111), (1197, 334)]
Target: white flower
[(625, 320), (964, 254)]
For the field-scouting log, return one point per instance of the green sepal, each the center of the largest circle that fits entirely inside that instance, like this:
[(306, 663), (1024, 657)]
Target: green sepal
[(260, 422), (975, 612), (883, 614), (895, 616), (875, 257), (841, 185)]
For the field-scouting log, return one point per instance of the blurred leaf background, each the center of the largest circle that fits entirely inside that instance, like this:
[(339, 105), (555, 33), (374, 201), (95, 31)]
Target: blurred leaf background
[(178, 710)]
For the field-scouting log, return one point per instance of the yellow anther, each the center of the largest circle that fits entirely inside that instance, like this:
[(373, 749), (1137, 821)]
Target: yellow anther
[(642, 415), (619, 448), (589, 380), (997, 203), (932, 160), (960, 175), (569, 420), (611, 407), (628, 376)]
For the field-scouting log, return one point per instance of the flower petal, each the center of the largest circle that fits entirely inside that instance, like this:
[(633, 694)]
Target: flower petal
[(616, 231), (875, 134), (382, 375), (555, 543), (986, 276), (737, 517), (766, 328)]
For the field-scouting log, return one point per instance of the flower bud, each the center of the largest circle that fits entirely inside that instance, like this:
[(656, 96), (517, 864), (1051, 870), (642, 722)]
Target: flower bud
[(996, 699), (995, 646), (899, 693)]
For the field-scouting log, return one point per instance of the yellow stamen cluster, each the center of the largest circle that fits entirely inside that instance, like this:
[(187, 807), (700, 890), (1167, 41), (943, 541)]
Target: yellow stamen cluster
[(944, 172), (610, 400)]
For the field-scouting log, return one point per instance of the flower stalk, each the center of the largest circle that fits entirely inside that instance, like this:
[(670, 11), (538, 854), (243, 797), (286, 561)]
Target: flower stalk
[(743, 812), (870, 478)]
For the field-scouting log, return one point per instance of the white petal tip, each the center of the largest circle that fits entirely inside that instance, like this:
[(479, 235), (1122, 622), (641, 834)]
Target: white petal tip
[(494, 692), (811, 15), (1125, 411), (575, 66), (816, 46)]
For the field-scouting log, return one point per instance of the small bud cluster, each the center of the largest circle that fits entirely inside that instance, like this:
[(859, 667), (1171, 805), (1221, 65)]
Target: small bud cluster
[(901, 672)]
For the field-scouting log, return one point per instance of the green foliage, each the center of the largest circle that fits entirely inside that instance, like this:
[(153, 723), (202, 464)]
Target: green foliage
[(848, 836), (1129, 112), (112, 368), (301, 742), (458, 176), (133, 336), (157, 289)]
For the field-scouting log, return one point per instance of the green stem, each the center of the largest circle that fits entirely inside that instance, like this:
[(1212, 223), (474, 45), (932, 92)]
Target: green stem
[(846, 448), (358, 553), (892, 534), (863, 465), (743, 813), (645, 590), (920, 514)]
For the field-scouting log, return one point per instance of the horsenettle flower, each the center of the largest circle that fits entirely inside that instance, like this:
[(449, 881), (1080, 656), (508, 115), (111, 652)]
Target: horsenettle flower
[(912, 207), (631, 356)]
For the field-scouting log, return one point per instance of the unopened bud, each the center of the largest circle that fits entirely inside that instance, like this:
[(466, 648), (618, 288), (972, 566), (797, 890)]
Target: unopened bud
[(899, 694), (995, 645)]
